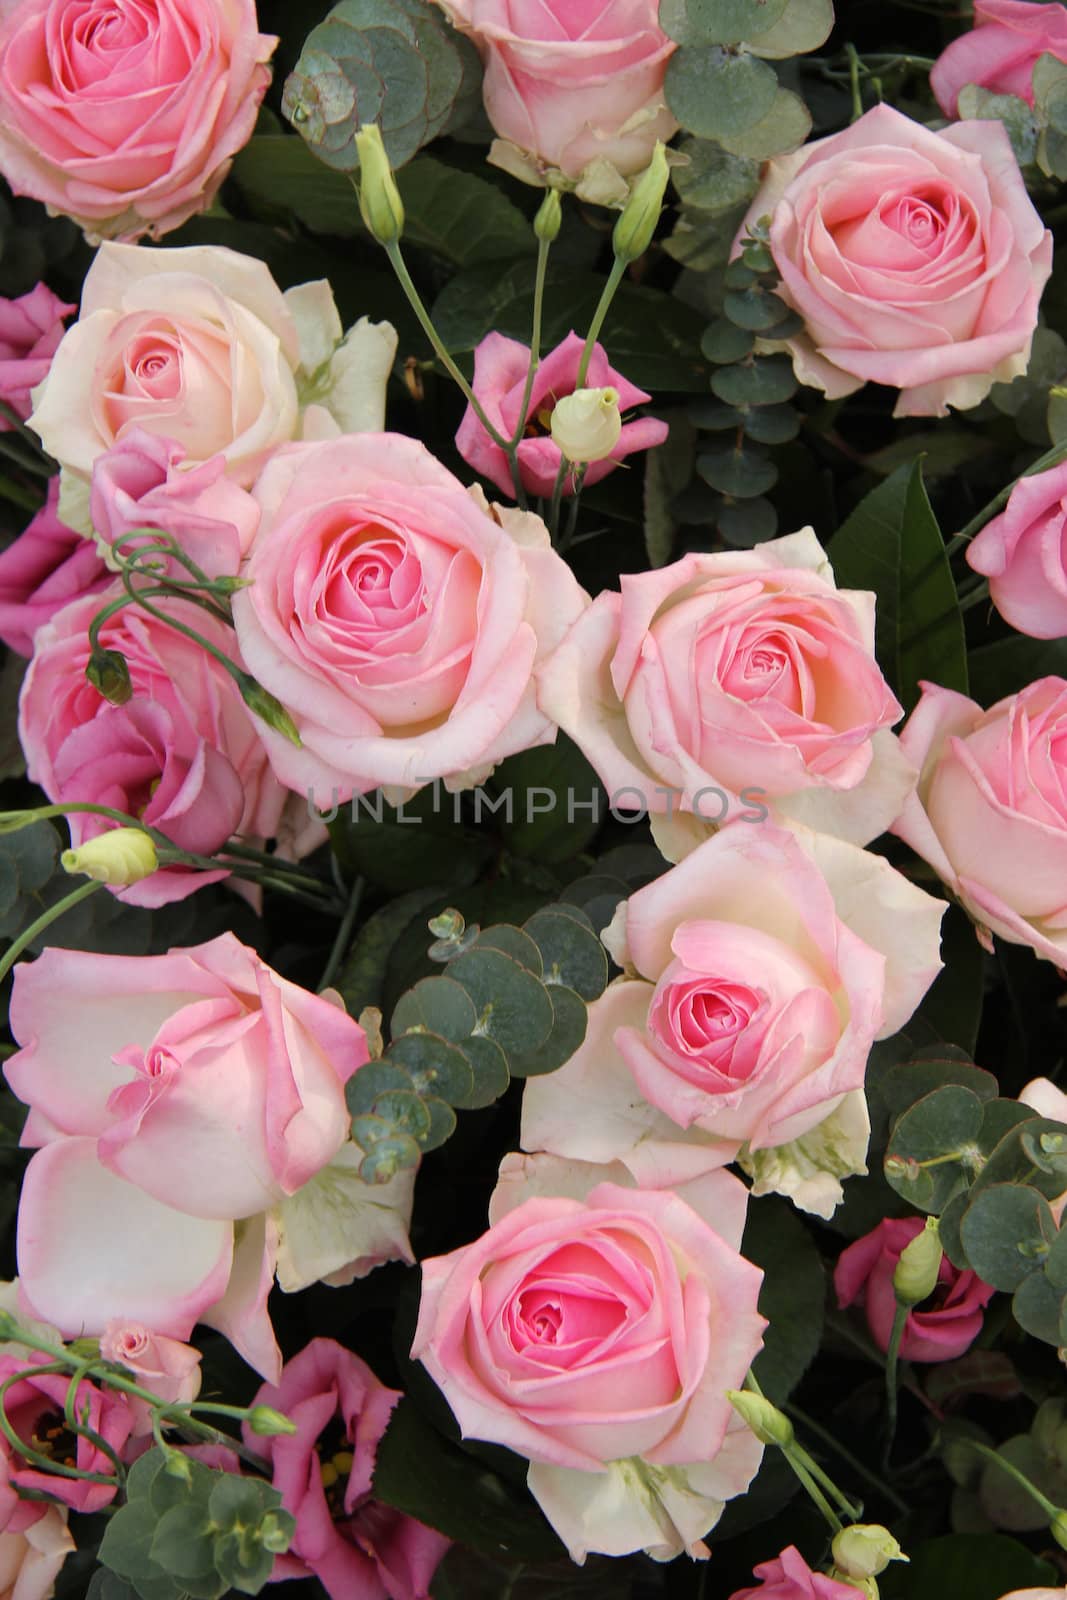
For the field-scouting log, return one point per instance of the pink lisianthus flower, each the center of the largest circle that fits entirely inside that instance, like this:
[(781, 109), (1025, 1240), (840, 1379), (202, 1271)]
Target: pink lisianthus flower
[(46, 567), (939, 1329), (34, 1408), (358, 1548), (30, 330), (500, 369), (1000, 51), (788, 1577)]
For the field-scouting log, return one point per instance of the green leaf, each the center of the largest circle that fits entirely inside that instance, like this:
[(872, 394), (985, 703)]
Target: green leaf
[(953, 1005), (965, 1567), (410, 845), (512, 942), (942, 1127), (892, 544), (748, 523), (791, 1297), (554, 803), (668, 469), (725, 341), (1017, 117), (362, 978), (713, 180), (514, 1007), (1037, 1306), (732, 21), (371, 1080), (765, 382), (740, 472), (182, 1543), (760, 311), (1005, 1233), (437, 1005), (805, 26), (569, 1020), (435, 1066), (907, 1082), (714, 93), (571, 952), (772, 424), (784, 127), (1009, 665), (1017, 1157), (489, 1066)]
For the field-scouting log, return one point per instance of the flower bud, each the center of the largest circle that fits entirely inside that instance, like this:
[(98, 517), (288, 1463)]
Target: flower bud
[(916, 1272), (635, 227), (120, 857), (586, 424), (865, 1549), (110, 676), (549, 217), (766, 1421), (267, 706), (380, 204), (268, 1423)]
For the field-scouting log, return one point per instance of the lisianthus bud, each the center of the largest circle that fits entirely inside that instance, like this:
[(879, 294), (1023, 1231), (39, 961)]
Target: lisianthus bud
[(267, 706), (267, 1423), (121, 856), (586, 424), (108, 673), (865, 1549), (915, 1274), (635, 227), (380, 204), (549, 217), (769, 1424)]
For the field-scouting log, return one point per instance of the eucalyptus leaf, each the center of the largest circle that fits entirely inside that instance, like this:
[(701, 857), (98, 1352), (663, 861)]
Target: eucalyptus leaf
[(715, 93)]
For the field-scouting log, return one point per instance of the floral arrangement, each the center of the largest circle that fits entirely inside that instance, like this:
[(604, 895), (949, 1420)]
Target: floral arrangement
[(533, 844)]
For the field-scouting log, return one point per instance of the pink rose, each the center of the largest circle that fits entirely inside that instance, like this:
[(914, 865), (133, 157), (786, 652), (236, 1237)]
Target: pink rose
[(915, 258), (34, 1408), (1023, 553), (396, 617), (200, 346), (184, 753), (500, 368), (595, 1330), (126, 117), (170, 1097), (1036, 1594), (139, 483), (990, 811), (169, 1368), (573, 90), (759, 973), (788, 1577), (1001, 50), (356, 1547), (30, 330), (940, 1328), (46, 567), (31, 1561), (725, 683)]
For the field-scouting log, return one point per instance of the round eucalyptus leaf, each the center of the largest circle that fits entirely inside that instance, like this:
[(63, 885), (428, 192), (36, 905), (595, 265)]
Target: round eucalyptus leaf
[(784, 127), (489, 1069), (714, 93), (1005, 1233), (1016, 1157), (514, 943), (1037, 1307), (435, 1066), (404, 1110), (745, 523), (740, 473), (757, 257), (1056, 1262), (572, 954), (756, 309), (440, 1124), (944, 1124), (372, 1080), (733, 21), (767, 381), (804, 26), (387, 1157), (438, 1004), (724, 341), (713, 180), (772, 424), (738, 275), (513, 1006), (569, 1022)]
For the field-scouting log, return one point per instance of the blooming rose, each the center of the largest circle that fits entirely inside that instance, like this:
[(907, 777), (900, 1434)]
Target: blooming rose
[(139, 483), (184, 754), (1023, 553), (396, 618), (46, 567), (170, 1098), (725, 680), (940, 1328), (595, 1330), (34, 1407), (201, 346), (758, 973), (356, 1547), (167, 1367), (30, 330), (500, 368), (788, 1577), (125, 117), (30, 1561), (1036, 1594), (575, 91), (915, 259), (990, 811), (1001, 50)]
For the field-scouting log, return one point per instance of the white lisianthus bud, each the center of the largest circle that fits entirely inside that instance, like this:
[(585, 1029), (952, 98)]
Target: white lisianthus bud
[(769, 1424), (586, 424), (864, 1550), (120, 857), (915, 1275), (380, 204)]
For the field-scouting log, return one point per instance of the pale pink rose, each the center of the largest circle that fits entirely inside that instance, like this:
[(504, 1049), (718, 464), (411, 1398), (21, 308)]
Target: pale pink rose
[(396, 617), (500, 368), (1036, 1594), (30, 1562), (915, 258), (170, 1098), (574, 88), (759, 972), (30, 330), (169, 1368), (788, 1577), (731, 683), (595, 1331), (358, 1548), (1001, 50), (200, 346), (990, 810), (126, 117), (941, 1327), (46, 567), (1023, 553), (34, 1407), (139, 483), (184, 753)]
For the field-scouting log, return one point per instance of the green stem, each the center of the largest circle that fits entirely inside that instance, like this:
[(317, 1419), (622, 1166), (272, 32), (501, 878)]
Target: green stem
[(892, 1358), (1031, 1489), (855, 66), (814, 1491), (543, 247), (21, 458), (18, 426), (975, 596), (603, 306), (18, 496), (344, 934), (567, 537), (852, 1462), (37, 1458), (396, 261), (1051, 458), (44, 921)]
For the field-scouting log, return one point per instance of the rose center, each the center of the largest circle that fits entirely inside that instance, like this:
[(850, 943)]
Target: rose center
[(707, 1022)]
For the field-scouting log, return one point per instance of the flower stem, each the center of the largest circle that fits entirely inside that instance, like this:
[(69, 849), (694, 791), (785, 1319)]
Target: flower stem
[(45, 920), (344, 934), (892, 1358), (618, 267), (1051, 458), (1007, 1466)]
